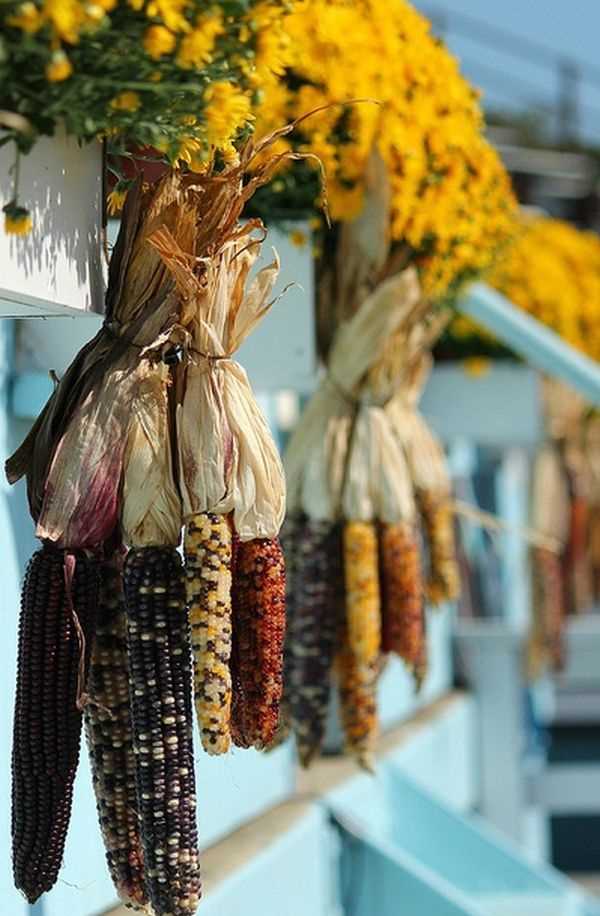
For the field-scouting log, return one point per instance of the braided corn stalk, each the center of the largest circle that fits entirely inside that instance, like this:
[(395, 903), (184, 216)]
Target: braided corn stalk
[(110, 741), (402, 597), (258, 635), (314, 556), (55, 636), (159, 654), (443, 580), (207, 549), (363, 600)]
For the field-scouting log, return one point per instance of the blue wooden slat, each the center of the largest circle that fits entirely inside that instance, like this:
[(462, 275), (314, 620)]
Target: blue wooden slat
[(540, 346)]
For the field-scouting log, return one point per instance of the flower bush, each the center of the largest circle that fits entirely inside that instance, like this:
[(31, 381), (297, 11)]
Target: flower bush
[(452, 203), (176, 75), (553, 273)]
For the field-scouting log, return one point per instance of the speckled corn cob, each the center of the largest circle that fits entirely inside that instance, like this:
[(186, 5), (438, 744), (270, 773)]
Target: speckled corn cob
[(546, 649), (443, 579), (363, 602), (357, 683), (47, 723), (258, 635), (316, 595), (207, 550), (110, 741), (402, 597), (159, 652)]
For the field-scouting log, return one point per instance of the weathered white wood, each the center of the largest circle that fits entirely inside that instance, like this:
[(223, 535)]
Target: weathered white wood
[(57, 269)]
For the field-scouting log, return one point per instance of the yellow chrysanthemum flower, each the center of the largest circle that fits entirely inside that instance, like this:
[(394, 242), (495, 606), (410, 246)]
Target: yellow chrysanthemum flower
[(126, 101), (28, 18), (60, 68), (115, 201), (158, 41), (197, 46), (227, 111)]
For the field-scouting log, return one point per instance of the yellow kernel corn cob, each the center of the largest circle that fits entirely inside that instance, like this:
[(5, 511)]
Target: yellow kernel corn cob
[(207, 549), (443, 579), (363, 603)]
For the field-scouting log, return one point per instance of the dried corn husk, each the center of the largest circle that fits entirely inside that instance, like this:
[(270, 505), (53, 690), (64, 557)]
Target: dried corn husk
[(74, 454), (316, 456), (228, 460)]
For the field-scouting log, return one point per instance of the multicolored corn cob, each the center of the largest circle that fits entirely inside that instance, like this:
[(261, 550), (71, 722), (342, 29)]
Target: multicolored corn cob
[(207, 549), (315, 551), (258, 633), (357, 683), (443, 579), (58, 609), (110, 741), (403, 630), (159, 652), (363, 600), (546, 648)]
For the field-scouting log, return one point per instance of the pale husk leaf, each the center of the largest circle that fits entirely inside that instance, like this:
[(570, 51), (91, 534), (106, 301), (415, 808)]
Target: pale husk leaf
[(151, 506), (227, 458), (316, 456)]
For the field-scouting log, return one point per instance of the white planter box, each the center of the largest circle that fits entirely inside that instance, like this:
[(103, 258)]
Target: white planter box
[(57, 269)]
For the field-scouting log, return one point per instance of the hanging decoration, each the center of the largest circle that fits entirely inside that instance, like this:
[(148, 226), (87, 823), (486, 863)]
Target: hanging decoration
[(153, 427)]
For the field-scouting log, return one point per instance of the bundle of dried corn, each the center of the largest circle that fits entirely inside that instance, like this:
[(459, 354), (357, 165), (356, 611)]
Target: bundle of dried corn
[(232, 488), (74, 459), (104, 466), (346, 475), (550, 519)]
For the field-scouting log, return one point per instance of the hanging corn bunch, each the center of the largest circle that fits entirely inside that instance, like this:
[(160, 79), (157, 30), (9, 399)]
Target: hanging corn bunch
[(110, 741), (233, 497), (110, 460), (345, 473)]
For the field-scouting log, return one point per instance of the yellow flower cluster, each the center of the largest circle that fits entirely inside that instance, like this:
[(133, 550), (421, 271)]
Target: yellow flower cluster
[(452, 202), (553, 272)]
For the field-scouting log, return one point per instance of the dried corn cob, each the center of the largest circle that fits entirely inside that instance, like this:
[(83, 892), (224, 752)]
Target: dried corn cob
[(361, 579), (402, 597), (110, 741), (258, 634), (357, 683), (443, 580), (58, 608), (317, 593), (207, 550), (159, 651), (546, 647)]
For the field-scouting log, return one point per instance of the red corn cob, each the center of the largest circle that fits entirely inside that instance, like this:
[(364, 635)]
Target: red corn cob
[(258, 599), (402, 597)]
